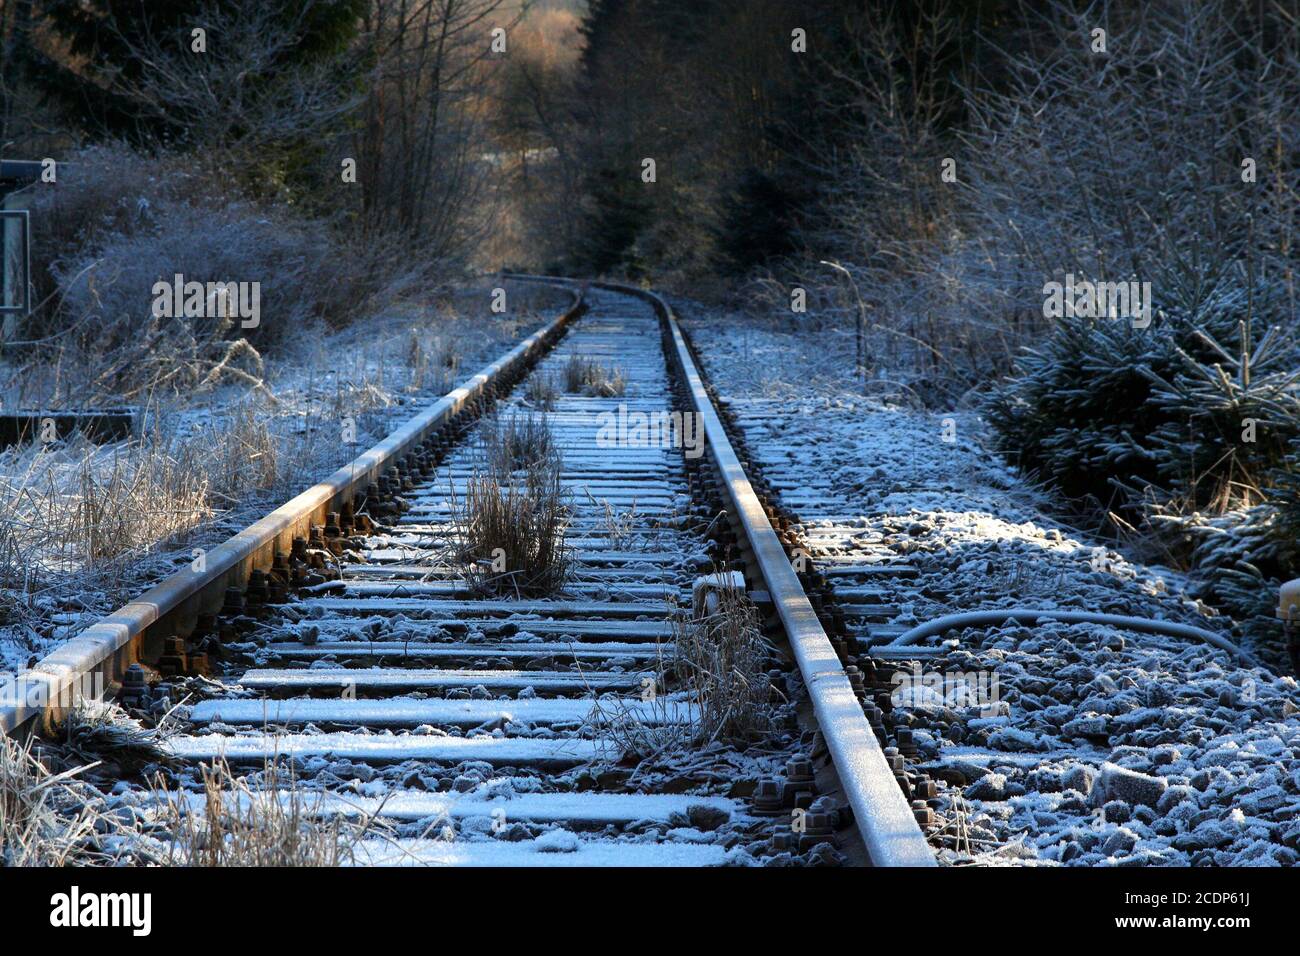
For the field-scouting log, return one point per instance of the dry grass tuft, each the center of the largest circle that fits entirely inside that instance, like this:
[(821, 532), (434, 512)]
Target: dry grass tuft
[(628, 735), (721, 659), (18, 580), (239, 451), (513, 517), (720, 665), (542, 390), (621, 526), (512, 530), (275, 822), (516, 442), (136, 502), (46, 819), (431, 363), (587, 376), (77, 506), (101, 732)]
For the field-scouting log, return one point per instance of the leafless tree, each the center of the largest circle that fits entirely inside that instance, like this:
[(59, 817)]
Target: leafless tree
[(242, 90), (1113, 158), (539, 174), (1128, 163), (419, 140), (886, 210)]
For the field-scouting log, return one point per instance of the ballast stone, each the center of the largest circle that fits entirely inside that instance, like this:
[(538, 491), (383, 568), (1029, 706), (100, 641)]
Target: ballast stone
[(1116, 783)]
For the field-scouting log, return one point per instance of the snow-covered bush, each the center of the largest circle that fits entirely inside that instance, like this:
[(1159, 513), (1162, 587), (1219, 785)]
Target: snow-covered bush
[(116, 223), (235, 243), (101, 191)]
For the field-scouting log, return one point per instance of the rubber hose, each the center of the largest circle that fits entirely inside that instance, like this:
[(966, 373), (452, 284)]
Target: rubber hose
[(1030, 616)]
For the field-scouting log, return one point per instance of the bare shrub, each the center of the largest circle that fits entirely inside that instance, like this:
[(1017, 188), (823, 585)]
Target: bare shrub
[(885, 211), (235, 242), (117, 224), (952, 271), (102, 191)]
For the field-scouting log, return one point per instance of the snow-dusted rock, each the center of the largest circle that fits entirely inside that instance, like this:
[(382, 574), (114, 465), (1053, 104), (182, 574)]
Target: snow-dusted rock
[(1121, 841), (1116, 783), (992, 786)]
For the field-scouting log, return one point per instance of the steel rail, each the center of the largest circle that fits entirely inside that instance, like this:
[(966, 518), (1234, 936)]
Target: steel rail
[(99, 655), (882, 814)]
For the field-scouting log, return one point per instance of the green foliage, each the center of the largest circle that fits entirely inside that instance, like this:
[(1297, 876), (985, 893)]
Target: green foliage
[(1286, 509), (757, 222), (750, 136), (619, 212), (712, 91), (1069, 413), (1103, 411)]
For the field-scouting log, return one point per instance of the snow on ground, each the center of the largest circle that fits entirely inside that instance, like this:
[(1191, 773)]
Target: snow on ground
[(1097, 745), (369, 372)]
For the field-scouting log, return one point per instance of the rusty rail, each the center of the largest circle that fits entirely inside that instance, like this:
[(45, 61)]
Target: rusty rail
[(91, 662)]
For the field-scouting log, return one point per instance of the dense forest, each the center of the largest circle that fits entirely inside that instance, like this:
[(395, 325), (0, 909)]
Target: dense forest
[(919, 173)]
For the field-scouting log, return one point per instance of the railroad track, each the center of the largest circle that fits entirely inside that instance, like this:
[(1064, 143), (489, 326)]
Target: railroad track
[(481, 728)]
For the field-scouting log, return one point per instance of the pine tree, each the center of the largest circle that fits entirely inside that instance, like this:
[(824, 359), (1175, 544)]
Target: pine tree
[(1201, 410)]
